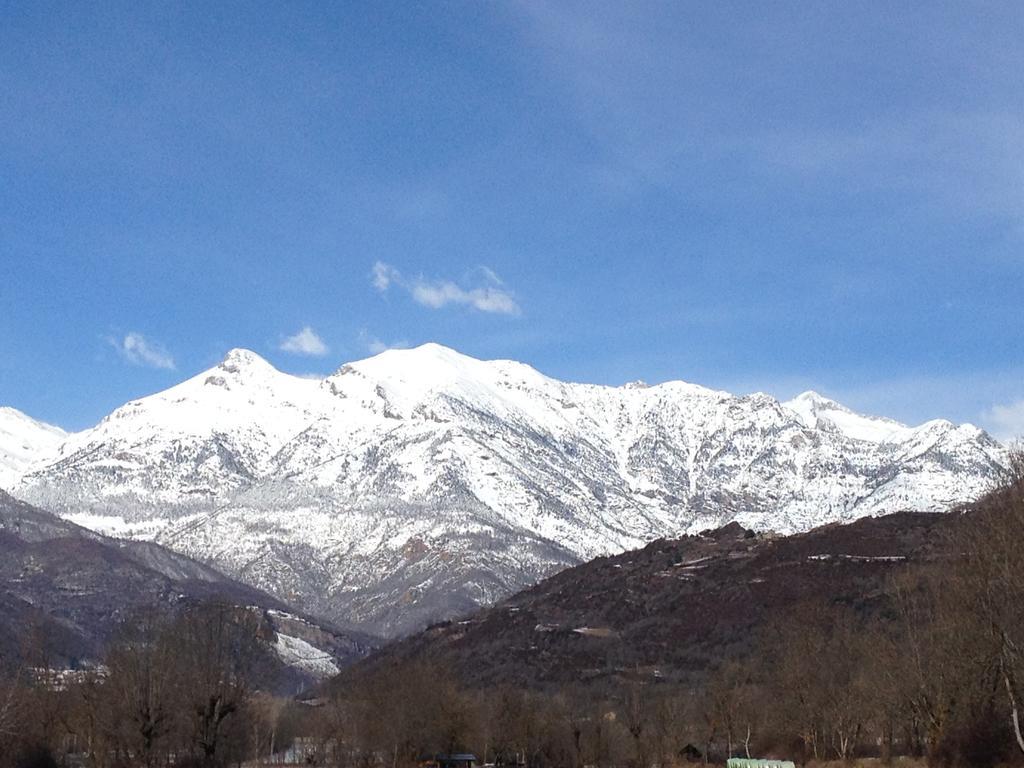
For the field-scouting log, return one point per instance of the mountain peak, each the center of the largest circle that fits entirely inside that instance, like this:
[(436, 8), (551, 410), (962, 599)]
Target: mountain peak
[(815, 411), (430, 350), (13, 414), (415, 371), (238, 359), (430, 361), (817, 400)]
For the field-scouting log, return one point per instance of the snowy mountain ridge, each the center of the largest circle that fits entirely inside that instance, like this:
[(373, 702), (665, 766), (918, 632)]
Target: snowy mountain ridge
[(23, 441), (819, 412), (421, 483)]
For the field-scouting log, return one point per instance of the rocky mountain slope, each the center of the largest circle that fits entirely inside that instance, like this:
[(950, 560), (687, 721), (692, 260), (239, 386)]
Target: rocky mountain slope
[(673, 610), (65, 590), (422, 483)]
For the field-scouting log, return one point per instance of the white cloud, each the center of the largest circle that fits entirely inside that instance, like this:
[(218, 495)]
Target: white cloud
[(305, 342), (1007, 421), (136, 349), (443, 292), (491, 297)]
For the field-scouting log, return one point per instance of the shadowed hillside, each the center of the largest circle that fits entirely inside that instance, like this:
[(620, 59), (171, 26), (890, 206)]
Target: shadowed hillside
[(65, 592), (673, 609)]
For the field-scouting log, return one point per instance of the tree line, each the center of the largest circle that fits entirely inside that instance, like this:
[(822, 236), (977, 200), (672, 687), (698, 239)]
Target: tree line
[(170, 690), (936, 675)]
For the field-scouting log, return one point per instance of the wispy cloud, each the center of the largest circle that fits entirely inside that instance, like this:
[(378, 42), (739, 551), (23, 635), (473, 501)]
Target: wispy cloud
[(1007, 421), (138, 350), (305, 342), (489, 295), (384, 275), (971, 162), (658, 100), (375, 345)]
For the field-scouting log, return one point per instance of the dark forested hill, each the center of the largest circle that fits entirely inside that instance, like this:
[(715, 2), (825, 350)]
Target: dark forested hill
[(673, 609), (64, 592)]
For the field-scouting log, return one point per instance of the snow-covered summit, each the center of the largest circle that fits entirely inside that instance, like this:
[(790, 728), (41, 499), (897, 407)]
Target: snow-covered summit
[(214, 432), (817, 411), (433, 368), (240, 358), (429, 378)]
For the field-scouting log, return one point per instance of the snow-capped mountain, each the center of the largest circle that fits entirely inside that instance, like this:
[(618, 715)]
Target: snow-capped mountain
[(421, 483), (24, 440)]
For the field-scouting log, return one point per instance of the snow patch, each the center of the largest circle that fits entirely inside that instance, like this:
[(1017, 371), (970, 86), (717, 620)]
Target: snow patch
[(297, 653)]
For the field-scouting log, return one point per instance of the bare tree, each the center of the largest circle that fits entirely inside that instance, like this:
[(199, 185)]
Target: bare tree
[(217, 655), (990, 581), (265, 713), (635, 715), (730, 694), (667, 723), (141, 685), (90, 718)]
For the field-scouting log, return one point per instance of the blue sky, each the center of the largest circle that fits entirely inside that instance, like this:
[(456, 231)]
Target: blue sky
[(753, 196)]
